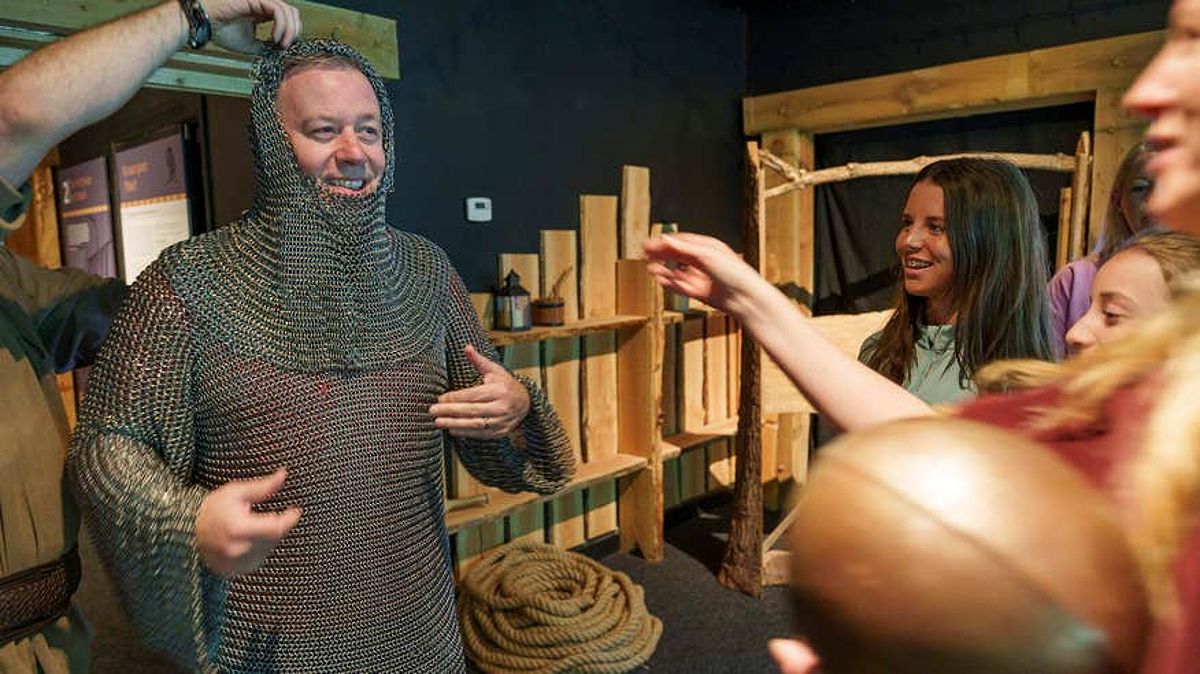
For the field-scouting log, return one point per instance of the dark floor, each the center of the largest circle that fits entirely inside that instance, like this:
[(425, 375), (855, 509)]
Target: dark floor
[(706, 627)]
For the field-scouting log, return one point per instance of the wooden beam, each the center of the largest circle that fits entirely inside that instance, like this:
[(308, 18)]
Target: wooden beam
[(560, 359), (598, 299), (635, 210), (1052, 76), (374, 36)]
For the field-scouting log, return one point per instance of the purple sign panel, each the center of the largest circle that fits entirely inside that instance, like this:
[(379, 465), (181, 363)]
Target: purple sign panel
[(85, 218), (154, 213)]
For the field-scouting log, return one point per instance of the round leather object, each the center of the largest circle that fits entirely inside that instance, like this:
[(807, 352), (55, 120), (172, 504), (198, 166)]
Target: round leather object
[(942, 545)]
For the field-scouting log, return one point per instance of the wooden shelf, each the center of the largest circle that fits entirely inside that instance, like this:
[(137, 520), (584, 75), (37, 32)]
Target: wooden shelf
[(695, 311), (674, 445), (586, 326), (502, 503)]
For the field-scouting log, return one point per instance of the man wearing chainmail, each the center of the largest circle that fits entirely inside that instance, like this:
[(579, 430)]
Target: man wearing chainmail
[(260, 450)]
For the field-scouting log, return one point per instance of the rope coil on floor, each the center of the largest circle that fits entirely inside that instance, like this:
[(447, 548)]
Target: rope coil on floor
[(533, 608)]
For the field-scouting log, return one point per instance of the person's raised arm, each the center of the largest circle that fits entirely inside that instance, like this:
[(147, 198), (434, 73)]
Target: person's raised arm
[(85, 77), (847, 392)]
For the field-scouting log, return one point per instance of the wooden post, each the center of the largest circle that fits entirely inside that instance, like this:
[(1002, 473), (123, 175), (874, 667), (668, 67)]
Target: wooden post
[(1063, 253), (598, 299), (742, 566), (527, 523), (635, 210), (639, 380), (1080, 186), (560, 359)]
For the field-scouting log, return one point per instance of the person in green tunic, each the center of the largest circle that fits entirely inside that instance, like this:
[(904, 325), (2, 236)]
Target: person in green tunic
[(54, 321)]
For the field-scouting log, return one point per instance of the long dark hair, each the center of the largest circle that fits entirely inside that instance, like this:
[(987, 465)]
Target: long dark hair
[(999, 291)]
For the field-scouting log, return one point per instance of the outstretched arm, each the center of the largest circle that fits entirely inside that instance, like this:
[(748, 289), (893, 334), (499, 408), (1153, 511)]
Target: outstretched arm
[(81, 79), (847, 392)]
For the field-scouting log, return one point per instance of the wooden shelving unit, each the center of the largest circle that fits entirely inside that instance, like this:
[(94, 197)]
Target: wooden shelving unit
[(586, 326), (501, 503)]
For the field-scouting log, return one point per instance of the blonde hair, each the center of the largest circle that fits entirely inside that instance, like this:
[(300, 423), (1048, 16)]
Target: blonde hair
[(1164, 476)]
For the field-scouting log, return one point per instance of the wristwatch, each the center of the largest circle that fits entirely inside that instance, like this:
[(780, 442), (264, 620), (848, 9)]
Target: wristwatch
[(199, 27)]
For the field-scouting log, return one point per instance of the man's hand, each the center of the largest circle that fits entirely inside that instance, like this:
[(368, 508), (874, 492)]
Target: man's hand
[(489, 411), (233, 539), (233, 23)]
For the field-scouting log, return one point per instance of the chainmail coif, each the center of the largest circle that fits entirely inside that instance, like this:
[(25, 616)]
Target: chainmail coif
[(307, 334)]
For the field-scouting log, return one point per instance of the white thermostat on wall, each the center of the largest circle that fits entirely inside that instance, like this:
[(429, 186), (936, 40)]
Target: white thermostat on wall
[(479, 209)]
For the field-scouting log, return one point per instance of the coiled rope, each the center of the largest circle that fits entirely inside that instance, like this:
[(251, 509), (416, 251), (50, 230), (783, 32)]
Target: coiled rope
[(533, 608)]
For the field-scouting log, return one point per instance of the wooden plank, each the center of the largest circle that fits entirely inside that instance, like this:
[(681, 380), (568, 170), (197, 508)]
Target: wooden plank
[(772, 477), (675, 445), (578, 328), (693, 466), (783, 224), (691, 373), (635, 210), (527, 523), (670, 380), (720, 464), (1116, 132), (374, 36), (1023, 80), (598, 299), (792, 446), (501, 504), (525, 357), (716, 369), (561, 364), (734, 366), (484, 309), (639, 396), (847, 331), (671, 494)]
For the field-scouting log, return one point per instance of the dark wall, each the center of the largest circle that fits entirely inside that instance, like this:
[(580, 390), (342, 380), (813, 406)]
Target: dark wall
[(801, 43), (532, 102)]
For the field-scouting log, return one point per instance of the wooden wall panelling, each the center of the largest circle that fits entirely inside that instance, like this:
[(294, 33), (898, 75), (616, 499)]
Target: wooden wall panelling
[(720, 464), (560, 358), (792, 445), (639, 381), (635, 210), (691, 373), (527, 523), (693, 467), (671, 493), (597, 299)]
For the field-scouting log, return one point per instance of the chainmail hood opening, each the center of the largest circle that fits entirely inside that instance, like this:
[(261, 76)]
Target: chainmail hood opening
[(321, 270)]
